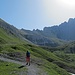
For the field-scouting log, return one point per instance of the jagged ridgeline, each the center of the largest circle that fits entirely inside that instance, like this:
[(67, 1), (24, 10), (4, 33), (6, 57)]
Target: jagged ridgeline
[(14, 43), (52, 36), (49, 36)]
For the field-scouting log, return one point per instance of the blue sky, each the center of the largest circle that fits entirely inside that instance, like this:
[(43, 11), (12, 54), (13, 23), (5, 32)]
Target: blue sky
[(36, 14)]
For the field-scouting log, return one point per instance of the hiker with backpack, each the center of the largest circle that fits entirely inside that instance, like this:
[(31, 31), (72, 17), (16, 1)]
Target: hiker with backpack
[(28, 58)]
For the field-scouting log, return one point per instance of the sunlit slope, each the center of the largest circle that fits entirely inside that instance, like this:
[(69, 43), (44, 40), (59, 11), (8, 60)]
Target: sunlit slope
[(6, 38)]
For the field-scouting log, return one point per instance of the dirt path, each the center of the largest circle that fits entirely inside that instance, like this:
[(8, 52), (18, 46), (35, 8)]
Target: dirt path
[(32, 69)]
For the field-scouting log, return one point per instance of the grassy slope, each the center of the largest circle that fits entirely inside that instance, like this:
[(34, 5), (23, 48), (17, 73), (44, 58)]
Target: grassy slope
[(9, 38), (64, 52), (15, 48), (7, 68)]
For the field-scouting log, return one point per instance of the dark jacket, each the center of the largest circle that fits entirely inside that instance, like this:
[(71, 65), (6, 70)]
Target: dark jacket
[(27, 54)]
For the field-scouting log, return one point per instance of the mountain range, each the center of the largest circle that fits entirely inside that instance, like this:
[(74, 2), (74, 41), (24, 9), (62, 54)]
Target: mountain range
[(52, 36), (49, 36)]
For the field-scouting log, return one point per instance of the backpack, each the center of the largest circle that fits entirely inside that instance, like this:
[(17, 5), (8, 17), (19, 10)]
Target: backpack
[(28, 54)]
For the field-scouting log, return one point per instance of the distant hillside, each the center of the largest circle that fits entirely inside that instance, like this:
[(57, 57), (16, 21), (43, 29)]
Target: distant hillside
[(11, 30), (52, 36), (43, 39)]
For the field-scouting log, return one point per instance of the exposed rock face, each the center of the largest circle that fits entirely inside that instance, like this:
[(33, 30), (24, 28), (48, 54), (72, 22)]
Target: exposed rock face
[(50, 36)]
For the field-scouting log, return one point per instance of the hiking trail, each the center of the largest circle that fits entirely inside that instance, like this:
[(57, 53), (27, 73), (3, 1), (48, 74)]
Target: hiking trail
[(31, 70)]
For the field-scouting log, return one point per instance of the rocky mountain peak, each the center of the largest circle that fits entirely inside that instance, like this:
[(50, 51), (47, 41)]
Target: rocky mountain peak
[(71, 21)]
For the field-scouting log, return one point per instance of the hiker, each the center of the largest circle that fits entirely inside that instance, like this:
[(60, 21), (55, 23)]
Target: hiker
[(28, 58)]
